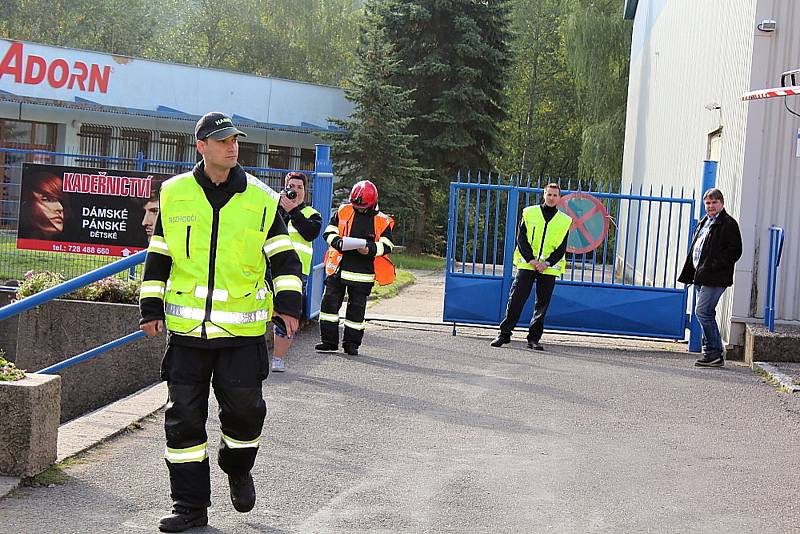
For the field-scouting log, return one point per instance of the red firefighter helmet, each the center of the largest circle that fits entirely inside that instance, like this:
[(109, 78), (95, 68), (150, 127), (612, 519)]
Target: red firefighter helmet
[(364, 195)]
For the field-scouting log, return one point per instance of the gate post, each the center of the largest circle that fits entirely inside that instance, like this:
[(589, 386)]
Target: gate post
[(510, 244), (322, 199), (709, 181)]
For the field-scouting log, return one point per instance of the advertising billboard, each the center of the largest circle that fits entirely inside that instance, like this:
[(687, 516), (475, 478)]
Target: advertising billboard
[(86, 211)]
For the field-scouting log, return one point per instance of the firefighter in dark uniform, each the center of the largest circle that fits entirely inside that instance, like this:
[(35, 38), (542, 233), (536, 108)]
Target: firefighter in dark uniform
[(205, 277), (354, 271)]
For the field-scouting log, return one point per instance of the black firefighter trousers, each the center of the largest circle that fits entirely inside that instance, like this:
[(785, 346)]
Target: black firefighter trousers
[(236, 373), (332, 298), (520, 291)]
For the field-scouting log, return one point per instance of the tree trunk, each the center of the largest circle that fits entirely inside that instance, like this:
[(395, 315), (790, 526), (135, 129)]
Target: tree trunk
[(418, 239)]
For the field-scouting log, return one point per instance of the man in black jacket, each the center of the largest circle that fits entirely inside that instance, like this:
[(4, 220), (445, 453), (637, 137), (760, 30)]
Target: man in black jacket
[(716, 247)]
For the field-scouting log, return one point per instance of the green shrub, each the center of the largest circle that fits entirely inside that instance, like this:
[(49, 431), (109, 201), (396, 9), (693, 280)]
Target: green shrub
[(9, 371), (110, 289)]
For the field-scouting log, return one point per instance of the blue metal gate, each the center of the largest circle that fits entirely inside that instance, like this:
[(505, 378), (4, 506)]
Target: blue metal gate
[(627, 285)]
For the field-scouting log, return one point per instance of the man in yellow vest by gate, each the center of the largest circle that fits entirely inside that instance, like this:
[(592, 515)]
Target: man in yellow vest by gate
[(354, 271), (304, 224), (205, 277), (541, 246)]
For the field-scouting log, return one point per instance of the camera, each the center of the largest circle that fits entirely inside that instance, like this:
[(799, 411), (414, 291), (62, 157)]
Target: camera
[(291, 194)]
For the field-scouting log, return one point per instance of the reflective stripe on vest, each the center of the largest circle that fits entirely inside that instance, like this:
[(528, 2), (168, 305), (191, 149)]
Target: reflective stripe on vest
[(301, 246), (542, 246), (239, 301)]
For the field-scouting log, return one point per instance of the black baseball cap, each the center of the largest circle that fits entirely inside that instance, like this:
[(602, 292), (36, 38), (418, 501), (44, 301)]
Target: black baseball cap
[(217, 126)]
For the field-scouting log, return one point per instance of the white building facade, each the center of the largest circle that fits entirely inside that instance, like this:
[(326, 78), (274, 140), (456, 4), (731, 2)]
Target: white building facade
[(691, 62)]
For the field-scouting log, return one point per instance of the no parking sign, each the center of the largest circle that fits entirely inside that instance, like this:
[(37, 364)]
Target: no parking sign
[(589, 222)]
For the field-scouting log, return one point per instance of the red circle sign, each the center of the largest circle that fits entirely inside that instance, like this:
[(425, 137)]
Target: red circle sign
[(589, 222)]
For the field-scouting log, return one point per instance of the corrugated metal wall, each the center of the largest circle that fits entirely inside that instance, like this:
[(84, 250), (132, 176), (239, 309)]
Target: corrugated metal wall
[(690, 64), (772, 168)]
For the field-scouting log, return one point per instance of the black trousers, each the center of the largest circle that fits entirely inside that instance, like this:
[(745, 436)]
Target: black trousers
[(520, 291), (332, 299), (237, 374)]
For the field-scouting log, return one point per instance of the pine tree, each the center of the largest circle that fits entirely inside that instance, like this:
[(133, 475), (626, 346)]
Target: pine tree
[(454, 57), (373, 143)]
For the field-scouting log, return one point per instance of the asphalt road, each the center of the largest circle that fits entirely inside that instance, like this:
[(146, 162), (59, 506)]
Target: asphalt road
[(425, 432)]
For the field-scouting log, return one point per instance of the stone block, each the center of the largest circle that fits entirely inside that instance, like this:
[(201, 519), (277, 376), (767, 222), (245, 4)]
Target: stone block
[(60, 329), (782, 345), (31, 409)]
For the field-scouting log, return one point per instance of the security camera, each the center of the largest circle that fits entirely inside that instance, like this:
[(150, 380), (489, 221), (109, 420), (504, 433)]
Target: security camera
[(711, 106), (767, 25)]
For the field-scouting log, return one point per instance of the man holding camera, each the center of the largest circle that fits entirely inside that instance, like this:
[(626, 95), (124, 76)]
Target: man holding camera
[(304, 224)]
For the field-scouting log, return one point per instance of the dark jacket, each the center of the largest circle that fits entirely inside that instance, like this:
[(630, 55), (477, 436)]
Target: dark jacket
[(721, 250)]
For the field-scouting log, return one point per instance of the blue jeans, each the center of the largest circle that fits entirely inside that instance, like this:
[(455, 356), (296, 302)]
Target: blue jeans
[(706, 312)]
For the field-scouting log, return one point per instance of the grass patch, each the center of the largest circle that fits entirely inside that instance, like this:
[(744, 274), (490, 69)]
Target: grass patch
[(54, 476), (404, 278), (768, 378), (422, 262), (15, 263)]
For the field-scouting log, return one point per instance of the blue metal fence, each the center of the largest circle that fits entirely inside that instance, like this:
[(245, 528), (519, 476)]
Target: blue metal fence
[(14, 263), (775, 251), (626, 285), (321, 184)]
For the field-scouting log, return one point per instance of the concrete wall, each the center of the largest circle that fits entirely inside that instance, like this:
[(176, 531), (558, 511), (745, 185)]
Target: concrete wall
[(61, 329), (8, 329), (687, 56)]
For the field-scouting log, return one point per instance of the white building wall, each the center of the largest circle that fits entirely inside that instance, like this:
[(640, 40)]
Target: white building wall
[(686, 56)]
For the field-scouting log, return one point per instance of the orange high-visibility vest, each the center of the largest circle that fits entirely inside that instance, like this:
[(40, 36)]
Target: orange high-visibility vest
[(384, 268)]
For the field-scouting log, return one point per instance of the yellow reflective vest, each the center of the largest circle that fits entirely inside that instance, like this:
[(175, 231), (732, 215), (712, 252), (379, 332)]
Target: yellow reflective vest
[(544, 238), (301, 246), (216, 286)]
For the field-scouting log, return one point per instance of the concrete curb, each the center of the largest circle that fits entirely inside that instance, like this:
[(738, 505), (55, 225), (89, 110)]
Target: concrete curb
[(785, 381), (83, 433)]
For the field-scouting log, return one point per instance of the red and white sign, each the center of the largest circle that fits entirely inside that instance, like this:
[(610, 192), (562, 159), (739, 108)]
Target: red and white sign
[(38, 71), (772, 93), (33, 69)]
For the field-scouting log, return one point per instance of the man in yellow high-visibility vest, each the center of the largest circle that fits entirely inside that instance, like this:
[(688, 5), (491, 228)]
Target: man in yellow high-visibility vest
[(539, 258), (304, 224)]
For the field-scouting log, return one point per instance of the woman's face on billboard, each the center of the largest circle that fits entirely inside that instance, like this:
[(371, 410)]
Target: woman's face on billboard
[(47, 213)]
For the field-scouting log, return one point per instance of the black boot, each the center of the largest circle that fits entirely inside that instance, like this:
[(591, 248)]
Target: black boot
[(326, 347), (182, 519), (500, 340), (350, 349), (243, 492)]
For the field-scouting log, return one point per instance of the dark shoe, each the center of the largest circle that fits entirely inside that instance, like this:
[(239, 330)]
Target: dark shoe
[(351, 350), (326, 347), (243, 492), (183, 519), (500, 340), (711, 360), (535, 345)]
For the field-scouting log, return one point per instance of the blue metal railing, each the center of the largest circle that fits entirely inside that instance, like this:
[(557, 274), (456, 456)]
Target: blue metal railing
[(775, 250), (71, 285), (67, 287)]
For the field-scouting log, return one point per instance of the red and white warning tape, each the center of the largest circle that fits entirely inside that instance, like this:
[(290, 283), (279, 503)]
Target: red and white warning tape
[(771, 93)]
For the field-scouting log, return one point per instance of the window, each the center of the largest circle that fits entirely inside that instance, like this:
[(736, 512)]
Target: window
[(94, 140), (22, 135), (248, 154), (279, 157), (308, 158)]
